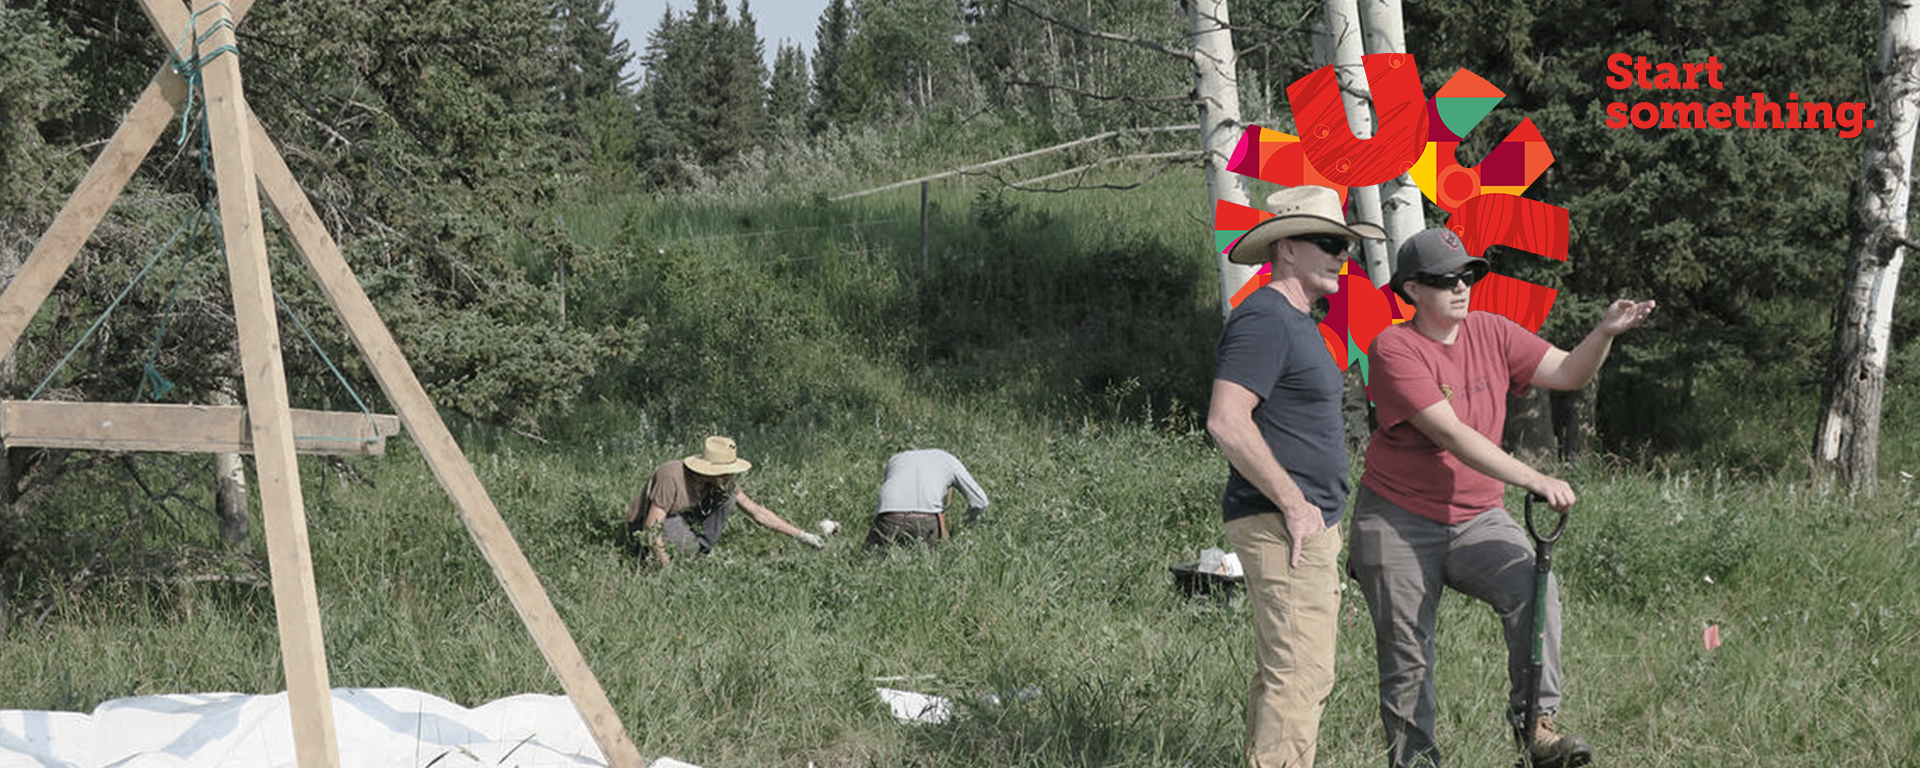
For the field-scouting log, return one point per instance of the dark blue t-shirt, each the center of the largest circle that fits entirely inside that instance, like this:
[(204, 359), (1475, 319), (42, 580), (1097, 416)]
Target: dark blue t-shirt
[(1276, 351)]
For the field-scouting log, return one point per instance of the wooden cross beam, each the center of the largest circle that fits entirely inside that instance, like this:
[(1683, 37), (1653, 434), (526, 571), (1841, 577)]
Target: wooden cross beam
[(246, 164), (182, 428)]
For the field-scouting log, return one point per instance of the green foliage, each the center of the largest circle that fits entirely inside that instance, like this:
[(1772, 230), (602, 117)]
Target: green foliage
[(38, 89), (593, 96), (831, 105), (787, 92), (903, 59), (704, 97), (1066, 84)]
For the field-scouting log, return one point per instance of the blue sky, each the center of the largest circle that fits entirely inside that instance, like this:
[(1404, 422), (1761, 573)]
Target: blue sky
[(791, 21)]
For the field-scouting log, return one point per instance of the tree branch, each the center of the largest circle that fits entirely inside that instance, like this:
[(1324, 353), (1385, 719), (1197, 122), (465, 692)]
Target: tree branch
[(1183, 99), (1011, 158), (1023, 185), (1076, 187), (1184, 55)]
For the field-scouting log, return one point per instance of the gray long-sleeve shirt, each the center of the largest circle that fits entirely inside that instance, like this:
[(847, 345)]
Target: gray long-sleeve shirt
[(917, 481)]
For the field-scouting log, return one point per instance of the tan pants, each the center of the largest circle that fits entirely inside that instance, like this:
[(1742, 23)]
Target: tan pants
[(1295, 616)]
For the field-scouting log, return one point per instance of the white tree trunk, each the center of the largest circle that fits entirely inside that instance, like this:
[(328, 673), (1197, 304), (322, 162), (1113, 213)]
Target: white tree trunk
[(1218, 90), (230, 485), (1343, 30), (1400, 199), (1847, 438)]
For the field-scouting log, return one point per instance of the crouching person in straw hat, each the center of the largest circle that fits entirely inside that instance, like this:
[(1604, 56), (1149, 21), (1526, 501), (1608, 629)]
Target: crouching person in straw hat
[(1429, 513), (687, 502), (1276, 415)]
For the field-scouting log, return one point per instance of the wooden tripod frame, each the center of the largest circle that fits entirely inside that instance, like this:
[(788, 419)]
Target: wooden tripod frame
[(245, 165)]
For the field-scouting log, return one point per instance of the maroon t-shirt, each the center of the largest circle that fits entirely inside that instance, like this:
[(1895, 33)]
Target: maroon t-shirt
[(1491, 357)]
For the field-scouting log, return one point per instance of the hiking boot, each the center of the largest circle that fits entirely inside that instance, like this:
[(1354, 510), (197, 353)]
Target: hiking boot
[(1553, 749)]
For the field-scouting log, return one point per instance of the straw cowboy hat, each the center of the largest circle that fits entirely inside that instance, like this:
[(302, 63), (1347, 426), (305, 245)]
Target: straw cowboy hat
[(1305, 210), (718, 457)]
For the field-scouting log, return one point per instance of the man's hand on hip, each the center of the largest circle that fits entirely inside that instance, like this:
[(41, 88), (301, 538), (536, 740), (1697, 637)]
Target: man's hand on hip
[(1303, 522)]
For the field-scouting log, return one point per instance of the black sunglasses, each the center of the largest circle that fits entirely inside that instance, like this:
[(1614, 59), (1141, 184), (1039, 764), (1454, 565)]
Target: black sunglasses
[(1446, 282), (1333, 245)]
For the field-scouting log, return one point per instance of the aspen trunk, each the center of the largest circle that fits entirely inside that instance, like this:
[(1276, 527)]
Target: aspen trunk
[(1217, 89), (1847, 437), (1400, 199), (230, 490), (1344, 41)]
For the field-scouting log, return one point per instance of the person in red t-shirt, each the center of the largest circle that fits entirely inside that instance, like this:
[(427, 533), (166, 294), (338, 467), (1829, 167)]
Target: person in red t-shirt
[(1429, 511)]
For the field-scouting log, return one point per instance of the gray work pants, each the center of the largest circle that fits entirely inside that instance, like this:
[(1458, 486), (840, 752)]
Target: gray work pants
[(1402, 561)]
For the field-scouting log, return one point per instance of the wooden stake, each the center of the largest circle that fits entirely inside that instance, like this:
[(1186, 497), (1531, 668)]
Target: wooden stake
[(283, 510)]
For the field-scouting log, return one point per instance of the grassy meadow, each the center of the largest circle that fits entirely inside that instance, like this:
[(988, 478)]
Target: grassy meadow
[(1061, 346)]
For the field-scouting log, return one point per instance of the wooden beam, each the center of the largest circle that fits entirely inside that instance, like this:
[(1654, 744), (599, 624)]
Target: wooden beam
[(283, 510), (182, 428), (443, 455), (51, 257), (152, 112)]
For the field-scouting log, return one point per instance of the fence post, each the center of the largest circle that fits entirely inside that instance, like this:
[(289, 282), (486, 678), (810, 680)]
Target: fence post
[(923, 225)]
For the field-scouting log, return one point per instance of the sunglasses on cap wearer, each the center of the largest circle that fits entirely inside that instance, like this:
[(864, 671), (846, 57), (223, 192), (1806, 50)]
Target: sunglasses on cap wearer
[(1472, 274), (1332, 245)]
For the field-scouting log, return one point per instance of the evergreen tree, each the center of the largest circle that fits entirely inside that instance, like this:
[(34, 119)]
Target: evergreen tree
[(705, 94), (593, 95), (787, 91), (737, 82), (588, 51), (832, 39)]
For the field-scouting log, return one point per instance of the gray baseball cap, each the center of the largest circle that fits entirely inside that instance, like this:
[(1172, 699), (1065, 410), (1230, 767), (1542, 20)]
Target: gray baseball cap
[(1435, 251)]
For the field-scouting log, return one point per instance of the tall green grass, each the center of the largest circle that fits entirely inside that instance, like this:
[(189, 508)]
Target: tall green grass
[(766, 653)]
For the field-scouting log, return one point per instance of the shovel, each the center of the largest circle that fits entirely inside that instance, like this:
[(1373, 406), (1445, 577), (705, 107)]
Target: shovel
[(1542, 567)]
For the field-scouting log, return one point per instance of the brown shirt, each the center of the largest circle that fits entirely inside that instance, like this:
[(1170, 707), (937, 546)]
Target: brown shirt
[(667, 489)]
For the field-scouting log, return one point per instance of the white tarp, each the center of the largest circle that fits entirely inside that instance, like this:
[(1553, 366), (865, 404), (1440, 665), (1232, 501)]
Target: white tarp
[(374, 728)]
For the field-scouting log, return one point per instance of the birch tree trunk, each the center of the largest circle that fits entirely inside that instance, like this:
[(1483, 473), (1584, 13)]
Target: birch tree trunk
[(1847, 438), (230, 485), (1217, 89), (1400, 199), (1344, 40)]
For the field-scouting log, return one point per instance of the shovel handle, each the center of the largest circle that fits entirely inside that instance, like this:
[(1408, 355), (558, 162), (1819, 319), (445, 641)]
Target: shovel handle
[(1534, 532)]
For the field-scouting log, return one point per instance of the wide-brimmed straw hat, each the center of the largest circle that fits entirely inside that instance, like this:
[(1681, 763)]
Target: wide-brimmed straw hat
[(1303, 210), (718, 457)]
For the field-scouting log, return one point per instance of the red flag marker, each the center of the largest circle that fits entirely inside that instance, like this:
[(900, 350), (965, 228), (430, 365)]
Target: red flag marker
[(1712, 637)]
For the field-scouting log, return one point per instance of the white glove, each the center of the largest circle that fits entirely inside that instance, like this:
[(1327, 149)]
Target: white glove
[(811, 540)]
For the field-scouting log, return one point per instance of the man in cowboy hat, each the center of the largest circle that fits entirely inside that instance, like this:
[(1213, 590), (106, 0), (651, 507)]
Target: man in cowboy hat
[(687, 502), (1429, 514), (1276, 415)]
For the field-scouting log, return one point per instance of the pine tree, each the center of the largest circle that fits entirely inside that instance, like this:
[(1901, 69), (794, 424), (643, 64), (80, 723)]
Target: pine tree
[(738, 86), (593, 95), (588, 51), (705, 94), (787, 92), (832, 38)]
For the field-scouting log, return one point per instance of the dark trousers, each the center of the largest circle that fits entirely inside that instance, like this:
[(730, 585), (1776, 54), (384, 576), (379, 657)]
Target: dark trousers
[(694, 530), (894, 528)]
